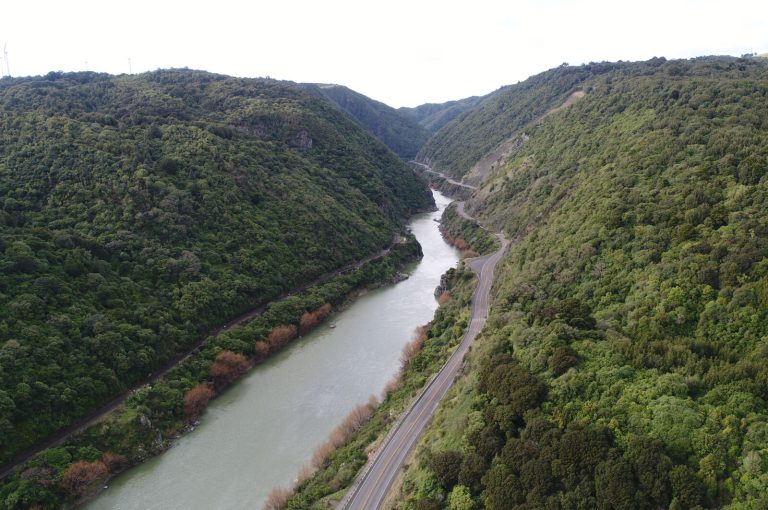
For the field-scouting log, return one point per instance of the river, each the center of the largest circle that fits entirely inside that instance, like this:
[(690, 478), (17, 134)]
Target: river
[(259, 433)]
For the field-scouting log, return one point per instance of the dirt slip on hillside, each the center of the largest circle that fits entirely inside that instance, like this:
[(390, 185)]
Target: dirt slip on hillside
[(510, 146)]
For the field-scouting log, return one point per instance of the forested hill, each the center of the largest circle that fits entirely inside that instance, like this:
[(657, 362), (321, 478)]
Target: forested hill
[(625, 364), (138, 211), (398, 131), (502, 115), (434, 116)]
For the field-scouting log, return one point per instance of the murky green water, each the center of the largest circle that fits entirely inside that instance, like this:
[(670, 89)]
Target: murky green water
[(259, 433)]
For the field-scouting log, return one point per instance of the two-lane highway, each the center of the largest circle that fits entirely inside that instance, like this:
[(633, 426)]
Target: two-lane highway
[(372, 485)]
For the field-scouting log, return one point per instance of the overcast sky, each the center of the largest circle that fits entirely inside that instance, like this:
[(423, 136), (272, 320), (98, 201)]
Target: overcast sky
[(401, 52)]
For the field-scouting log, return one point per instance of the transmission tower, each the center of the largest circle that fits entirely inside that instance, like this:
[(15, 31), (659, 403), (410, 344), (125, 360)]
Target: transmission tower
[(5, 57)]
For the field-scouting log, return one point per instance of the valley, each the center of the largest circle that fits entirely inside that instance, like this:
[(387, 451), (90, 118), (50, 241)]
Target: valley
[(601, 343), (258, 435)]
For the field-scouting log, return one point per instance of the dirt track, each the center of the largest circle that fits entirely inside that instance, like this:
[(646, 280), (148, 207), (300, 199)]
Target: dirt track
[(113, 404)]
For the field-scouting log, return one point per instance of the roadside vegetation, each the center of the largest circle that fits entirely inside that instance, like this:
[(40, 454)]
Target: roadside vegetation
[(337, 462), (624, 362), (467, 236)]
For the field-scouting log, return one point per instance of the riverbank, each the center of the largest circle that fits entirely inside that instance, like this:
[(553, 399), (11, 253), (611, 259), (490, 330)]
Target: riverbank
[(152, 418), (444, 334), (241, 319), (466, 235), (340, 467), (258, 434), (436, 180)]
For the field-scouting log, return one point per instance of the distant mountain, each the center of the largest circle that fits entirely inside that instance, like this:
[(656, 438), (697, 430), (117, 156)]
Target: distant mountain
[(138, 211), (434, 116), (397, 131), (458, 145)]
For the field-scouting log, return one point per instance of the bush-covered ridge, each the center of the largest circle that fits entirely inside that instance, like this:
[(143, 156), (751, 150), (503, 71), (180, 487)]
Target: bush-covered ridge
[(155, 414), (138, 211), (512, 109), (398, 131), (433, 116), (625, 362)]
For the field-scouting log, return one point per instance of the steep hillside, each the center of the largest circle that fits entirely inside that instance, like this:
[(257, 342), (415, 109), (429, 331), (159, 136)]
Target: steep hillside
[(624, 365), (499, 116), (434, 116), (138, 211), (397, 131)]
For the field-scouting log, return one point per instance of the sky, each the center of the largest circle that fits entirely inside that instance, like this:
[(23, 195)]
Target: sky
[(400, 52)]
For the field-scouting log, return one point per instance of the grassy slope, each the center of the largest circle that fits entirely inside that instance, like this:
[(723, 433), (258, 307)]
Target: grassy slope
[(138, 211), (638, 297)]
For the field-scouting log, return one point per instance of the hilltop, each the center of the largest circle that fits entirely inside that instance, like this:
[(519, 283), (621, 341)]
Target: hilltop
[(497, 117)]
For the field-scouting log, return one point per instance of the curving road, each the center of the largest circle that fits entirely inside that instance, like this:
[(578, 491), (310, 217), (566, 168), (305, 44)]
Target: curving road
[(427, 168), (373, 483)]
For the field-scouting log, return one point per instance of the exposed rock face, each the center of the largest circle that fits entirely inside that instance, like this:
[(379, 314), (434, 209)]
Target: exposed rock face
[(443, 286), (301, 140)]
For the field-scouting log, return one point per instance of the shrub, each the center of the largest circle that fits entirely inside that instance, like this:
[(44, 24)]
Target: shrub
[(446, 466), (114, 461), (196, 400), (562, 359), (227, 367), (260, 351), (79, 475), (279, 336), (310, 320), (413, 347), (353, 422), (277, 498)]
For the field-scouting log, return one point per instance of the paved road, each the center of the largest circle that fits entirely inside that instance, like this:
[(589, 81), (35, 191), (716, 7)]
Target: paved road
[(427, 168), (463, 213), (372, 485)]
